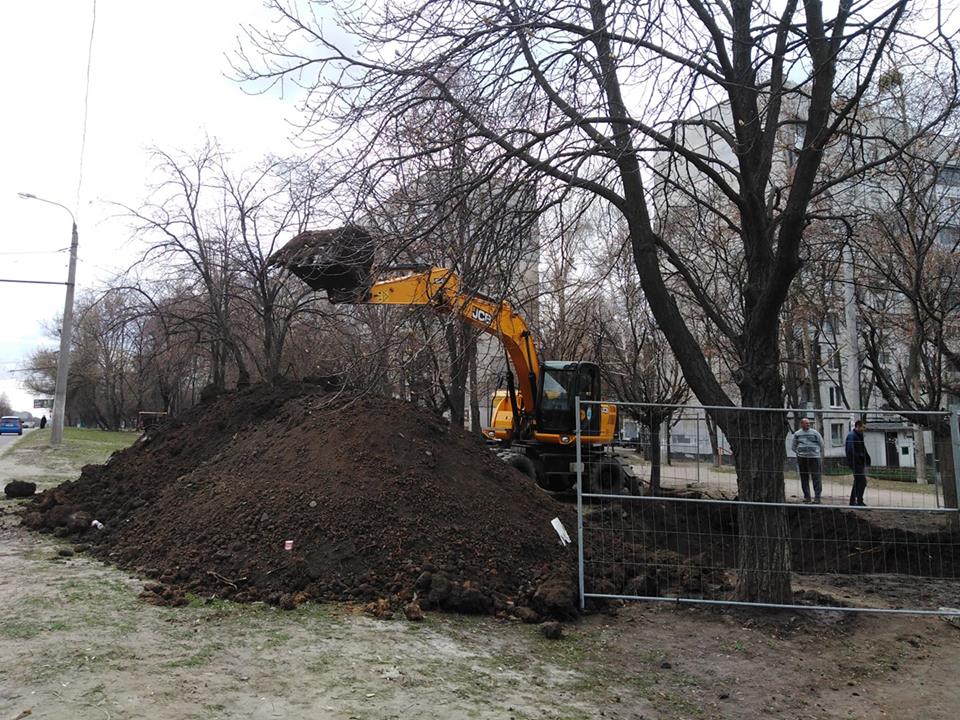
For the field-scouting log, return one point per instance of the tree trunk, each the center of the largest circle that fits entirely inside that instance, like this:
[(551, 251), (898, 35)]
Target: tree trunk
[(218, 370), (712, 431), (666, 438), (476, 427), (812, 352), (457, 355), (272, 348), (759, 451), (944, 449), (243, 375), (653, 423)]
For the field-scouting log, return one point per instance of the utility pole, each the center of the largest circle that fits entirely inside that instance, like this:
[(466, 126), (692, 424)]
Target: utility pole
[(66, 330)]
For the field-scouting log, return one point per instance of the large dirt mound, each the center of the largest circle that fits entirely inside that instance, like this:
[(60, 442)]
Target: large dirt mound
[(380, 500)]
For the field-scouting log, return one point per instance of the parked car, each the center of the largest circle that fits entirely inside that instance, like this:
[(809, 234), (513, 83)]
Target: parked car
[(11, 424), (29, 424)]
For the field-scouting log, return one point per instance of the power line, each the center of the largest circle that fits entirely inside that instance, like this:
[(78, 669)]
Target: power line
[(34, 252), (86, 105), (33, 282)]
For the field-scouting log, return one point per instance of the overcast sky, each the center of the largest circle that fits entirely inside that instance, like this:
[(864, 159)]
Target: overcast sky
[(159, 78)]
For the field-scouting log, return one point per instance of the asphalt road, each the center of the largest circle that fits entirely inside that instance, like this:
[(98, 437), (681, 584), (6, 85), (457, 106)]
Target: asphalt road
[(7, 440)]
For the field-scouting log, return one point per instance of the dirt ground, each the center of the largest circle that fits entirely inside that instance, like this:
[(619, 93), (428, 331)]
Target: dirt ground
[(75, 641)]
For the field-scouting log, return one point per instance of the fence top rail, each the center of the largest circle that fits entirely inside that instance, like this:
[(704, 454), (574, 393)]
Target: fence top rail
[(738, 408), (757, 503)]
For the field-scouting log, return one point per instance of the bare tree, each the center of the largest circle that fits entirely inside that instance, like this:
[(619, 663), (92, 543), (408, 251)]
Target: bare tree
[(639, 368), (211, 231), (909, 295), (692, 93)]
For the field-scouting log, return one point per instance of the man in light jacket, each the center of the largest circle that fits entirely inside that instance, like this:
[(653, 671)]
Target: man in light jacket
[(808, 446)]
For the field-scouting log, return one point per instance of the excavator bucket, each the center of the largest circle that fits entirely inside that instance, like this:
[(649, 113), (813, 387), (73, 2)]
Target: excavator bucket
[(337, 261)]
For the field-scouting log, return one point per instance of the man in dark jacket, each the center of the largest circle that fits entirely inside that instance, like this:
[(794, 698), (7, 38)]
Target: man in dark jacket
[(858, 459)]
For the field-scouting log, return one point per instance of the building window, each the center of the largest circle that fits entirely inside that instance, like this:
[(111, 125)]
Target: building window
[(831, 324), (835, 361), (836, 396), (884, 357), (836, 434), (950, 175), (949, 237)]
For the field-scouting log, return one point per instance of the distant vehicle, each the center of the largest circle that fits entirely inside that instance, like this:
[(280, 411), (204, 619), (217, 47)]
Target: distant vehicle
[(146, 419), (11, 424), (29, 424)]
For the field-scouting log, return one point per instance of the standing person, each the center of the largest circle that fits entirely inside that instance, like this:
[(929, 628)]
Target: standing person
[(808, 446), (43, 421), (858, 459)]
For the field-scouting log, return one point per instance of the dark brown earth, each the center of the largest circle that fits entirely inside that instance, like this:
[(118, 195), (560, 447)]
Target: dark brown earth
[(382, 502), (663, 548), (19, 489), (389, 506)]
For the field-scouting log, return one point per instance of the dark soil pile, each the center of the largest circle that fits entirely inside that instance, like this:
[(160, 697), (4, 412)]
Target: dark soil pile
[(381, 501)]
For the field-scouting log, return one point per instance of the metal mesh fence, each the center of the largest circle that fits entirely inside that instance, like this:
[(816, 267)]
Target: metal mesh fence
[(731, 509)]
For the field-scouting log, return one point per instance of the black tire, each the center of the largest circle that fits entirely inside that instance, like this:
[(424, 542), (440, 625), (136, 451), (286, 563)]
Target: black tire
[(591, 478), (523, 464), (613, 479)]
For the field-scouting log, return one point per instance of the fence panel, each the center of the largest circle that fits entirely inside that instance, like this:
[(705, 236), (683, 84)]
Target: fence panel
[(719, 487)]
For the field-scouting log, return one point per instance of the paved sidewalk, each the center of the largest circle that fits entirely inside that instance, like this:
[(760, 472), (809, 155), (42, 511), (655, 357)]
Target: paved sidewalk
[(836, 488)]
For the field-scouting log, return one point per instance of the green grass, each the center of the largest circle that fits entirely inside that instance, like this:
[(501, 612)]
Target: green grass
[(80, 446), (900, 485), (197, 659), (27, 630)]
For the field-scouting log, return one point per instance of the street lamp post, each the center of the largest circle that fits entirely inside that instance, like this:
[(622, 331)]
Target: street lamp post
[(66, 330)]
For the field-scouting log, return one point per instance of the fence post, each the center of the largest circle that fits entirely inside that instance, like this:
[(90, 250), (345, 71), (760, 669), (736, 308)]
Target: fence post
[(697, 423), (576, 405), (955, 444)]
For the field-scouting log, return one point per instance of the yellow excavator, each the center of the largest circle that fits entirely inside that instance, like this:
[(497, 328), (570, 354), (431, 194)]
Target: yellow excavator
[(533, 421)]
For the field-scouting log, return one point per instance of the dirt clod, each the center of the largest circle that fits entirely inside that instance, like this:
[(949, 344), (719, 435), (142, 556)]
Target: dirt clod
[(413, 611), (286, 602), (557, 597), (552, 630), (158, 594), (19, 489), (528, 615)]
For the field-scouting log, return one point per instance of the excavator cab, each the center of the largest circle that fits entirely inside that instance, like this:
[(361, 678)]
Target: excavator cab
[(560, 383)]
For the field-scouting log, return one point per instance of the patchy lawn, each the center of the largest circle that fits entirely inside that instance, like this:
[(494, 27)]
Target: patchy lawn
[(75, 641), (31, 458)]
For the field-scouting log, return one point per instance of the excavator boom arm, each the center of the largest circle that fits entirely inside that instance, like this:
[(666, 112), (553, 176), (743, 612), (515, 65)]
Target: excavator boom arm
[(440, 288)]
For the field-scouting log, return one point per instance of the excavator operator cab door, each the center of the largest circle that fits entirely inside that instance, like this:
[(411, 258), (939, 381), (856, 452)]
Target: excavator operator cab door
[(588, 388), (560, 383)]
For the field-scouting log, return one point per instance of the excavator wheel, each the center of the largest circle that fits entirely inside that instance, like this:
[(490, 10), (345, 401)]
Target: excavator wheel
[(523, 464), (610, 477)]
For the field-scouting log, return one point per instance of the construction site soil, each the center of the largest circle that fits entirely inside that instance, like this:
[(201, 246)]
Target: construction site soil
[(292, 492)]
